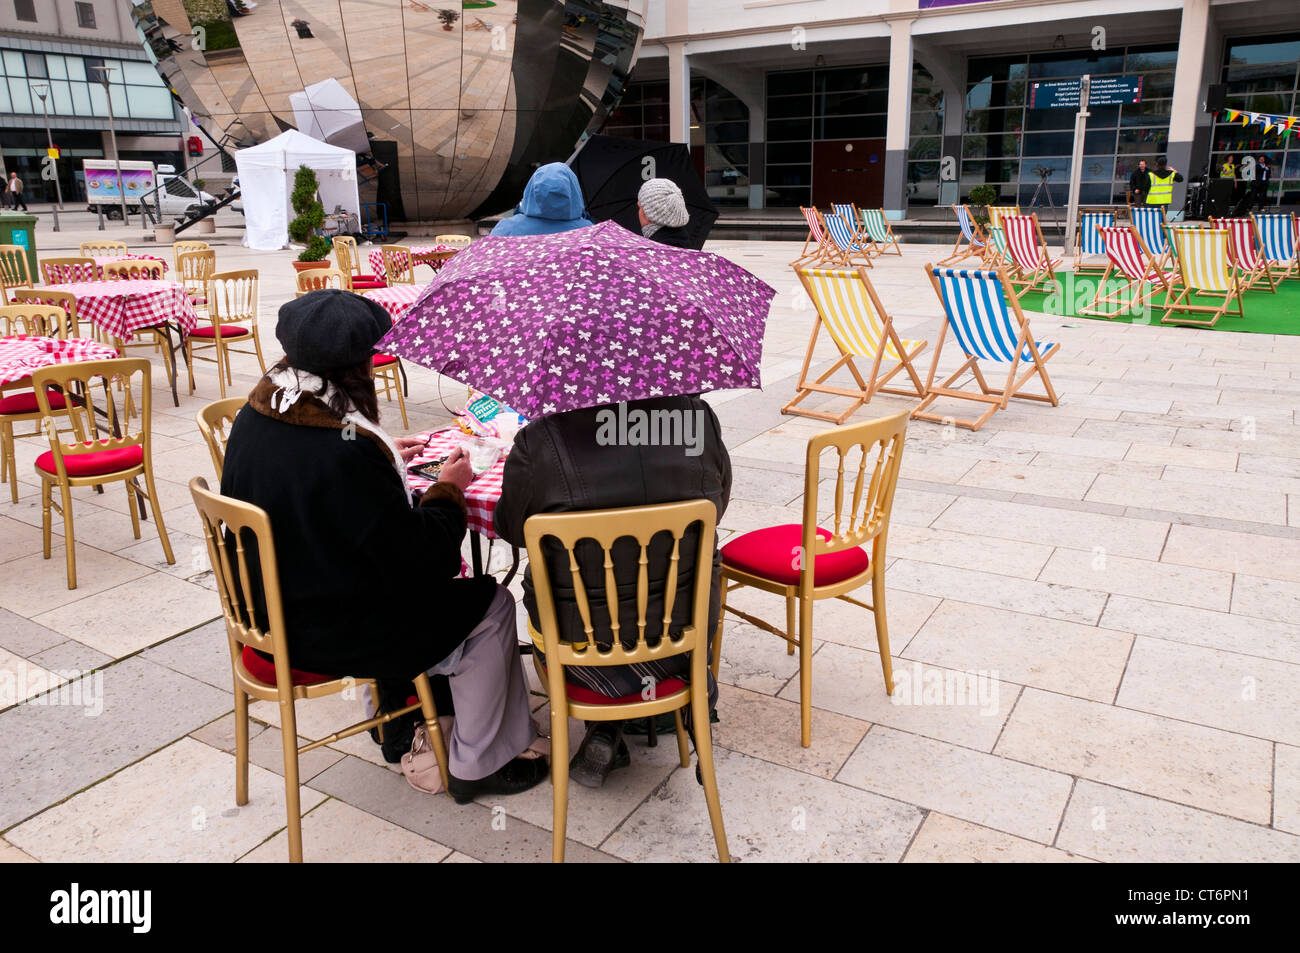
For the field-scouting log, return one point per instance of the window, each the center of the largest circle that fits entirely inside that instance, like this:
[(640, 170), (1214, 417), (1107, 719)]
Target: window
[(25, 10), (86, 16)]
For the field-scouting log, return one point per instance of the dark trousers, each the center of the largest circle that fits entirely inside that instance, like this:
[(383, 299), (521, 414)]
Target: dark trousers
[(16, 199)]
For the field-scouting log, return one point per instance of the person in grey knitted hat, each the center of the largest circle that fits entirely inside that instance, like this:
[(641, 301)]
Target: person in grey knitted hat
[(661, 209)]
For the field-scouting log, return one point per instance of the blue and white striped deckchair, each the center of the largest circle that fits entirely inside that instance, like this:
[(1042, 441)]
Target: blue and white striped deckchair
[(975, 245), (988, 325), (1088, 243), (1277, 238), (1149, 220), (845, 238), (877, 226), (849, 212)]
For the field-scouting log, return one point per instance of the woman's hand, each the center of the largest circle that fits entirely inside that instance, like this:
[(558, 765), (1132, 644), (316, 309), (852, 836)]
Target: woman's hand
[(457, 470), (409, 447)]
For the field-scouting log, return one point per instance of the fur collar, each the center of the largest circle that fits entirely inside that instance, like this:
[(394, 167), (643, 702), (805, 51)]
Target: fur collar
[(290, 396)]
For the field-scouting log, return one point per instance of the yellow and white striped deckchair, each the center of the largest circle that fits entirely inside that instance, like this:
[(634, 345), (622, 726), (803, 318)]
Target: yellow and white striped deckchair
[(860, 327), (1206, 270), (997, 211)]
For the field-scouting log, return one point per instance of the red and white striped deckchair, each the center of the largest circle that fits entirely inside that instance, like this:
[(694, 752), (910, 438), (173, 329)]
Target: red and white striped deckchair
[(822, 249), (1034, 265), (1128, 257), (1244, 249)]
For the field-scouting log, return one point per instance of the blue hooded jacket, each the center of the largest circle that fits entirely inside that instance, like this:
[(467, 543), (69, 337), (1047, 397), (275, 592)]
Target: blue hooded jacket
[(552, 202)]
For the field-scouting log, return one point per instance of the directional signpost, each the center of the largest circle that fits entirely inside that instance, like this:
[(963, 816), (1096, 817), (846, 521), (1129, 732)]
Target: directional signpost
[(1082, 94)]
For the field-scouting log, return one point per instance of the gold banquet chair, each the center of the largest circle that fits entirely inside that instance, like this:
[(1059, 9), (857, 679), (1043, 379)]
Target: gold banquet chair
[(61, 271), (232, 298), (184, 248), (135, 269), (14, 272), (88, 461), (804, 562), (592, 533), (316, 279), (104, 248), (193, 269), (453, 241), (241, 549), (17, 401), (399, 268), (215, 420)]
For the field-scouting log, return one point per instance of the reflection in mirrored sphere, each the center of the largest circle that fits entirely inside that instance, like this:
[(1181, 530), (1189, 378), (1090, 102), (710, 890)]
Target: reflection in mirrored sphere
[(450, 103)]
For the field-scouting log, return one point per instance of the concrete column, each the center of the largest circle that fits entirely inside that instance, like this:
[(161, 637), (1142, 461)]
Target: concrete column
[(900, 118), (679, 94), (1189, 93), (757, 153)]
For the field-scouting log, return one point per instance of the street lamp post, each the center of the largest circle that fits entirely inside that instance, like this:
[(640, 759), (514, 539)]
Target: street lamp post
[(42, 90), (112, 132)]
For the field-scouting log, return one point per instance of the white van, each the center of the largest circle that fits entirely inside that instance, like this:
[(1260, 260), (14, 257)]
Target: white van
[(175, 197)]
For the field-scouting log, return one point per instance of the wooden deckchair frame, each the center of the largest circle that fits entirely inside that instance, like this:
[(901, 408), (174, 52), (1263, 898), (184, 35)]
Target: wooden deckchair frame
[(1080, 266), (1180, 303), (995, 398), (1042, 273), (821, 244), (1154, 280), (875, 382), (1250, 276), (1277, 267), (972, 249)]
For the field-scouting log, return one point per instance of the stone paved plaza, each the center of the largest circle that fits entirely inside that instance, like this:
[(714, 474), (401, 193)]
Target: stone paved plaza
[(1123, 570)]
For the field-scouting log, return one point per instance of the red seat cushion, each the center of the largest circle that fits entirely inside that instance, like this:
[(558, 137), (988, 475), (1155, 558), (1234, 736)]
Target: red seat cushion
[(772, 553), (368, 281), (94, 463), (263, 669), (586, 696), (25, 403), (382, 359), (227, 331)]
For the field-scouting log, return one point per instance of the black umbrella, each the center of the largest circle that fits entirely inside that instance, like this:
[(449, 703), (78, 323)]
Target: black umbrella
[(612, 171)]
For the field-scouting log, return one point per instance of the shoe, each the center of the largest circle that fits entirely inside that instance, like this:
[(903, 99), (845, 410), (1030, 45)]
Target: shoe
[(664, 725), (399, 734), (515, 777), (601, 751)]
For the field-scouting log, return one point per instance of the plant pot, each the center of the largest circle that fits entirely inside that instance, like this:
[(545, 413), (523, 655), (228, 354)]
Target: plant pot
[(207, 226), (306, 265), (164, 234)]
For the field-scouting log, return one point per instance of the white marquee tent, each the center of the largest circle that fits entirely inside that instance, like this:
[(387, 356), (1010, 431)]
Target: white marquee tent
[(326, 111), (266, 174)]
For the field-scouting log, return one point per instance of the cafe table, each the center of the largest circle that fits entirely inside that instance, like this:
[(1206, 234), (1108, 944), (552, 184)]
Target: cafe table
[(431, 255), (102, 260), (120, 308), (395, 298), (481, 495), (22, 354)]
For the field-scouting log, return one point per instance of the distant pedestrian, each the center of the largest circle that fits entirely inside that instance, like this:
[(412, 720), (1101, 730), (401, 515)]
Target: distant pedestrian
[(1161, 190), (14, 189), (1138, 183), (1259, 188)]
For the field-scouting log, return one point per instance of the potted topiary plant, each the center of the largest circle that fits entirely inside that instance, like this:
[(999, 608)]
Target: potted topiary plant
[(981, 197), (311, 215)]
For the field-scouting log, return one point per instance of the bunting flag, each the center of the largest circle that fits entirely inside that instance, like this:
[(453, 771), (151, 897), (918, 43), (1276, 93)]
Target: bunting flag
[(1284, 126)]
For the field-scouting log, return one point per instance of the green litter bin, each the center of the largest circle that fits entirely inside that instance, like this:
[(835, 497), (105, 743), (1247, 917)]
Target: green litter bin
[(20, 229)]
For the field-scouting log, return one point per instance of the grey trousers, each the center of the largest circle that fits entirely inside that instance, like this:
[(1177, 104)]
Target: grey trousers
[(493, 723)]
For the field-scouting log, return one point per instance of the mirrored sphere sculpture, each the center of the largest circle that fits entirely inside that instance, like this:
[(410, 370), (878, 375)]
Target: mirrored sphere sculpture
[(457, 100)]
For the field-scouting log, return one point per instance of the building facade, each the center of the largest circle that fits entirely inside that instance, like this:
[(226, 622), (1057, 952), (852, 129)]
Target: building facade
[(62, 48), (906, 103)]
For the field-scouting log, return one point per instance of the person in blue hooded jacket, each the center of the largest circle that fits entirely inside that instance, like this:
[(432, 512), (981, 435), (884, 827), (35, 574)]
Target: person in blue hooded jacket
[(552, 202)]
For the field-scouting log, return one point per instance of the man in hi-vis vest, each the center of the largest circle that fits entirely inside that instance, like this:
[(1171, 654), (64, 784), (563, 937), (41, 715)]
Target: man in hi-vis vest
[(1162, 183)]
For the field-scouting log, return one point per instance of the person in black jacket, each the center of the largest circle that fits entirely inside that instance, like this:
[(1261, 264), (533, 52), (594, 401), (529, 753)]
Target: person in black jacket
[(661, 210), (369, 581), (579, 460), (1139, 182)]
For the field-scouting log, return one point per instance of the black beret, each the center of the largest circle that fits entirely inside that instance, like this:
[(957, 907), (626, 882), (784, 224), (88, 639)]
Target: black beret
[(330, 329)]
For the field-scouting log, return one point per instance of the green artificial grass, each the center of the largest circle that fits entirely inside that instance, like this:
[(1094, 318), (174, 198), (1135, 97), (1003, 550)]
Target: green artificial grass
[(1266, 313)]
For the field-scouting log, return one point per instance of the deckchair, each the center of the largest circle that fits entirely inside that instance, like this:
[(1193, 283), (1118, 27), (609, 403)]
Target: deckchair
[(997, 211), (847, 250), (817, 238), (1088, 243), (1129, 258), (877, 227), (849, 212), (989, 326), (997, 255), (1205, 269), (1245, 254), (1149, 220), (1027, 249), (975, 245), (860, 327), (1277, 239)]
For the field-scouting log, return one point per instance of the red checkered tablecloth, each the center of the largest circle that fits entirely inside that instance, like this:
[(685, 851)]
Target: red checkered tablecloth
[(396, 298), (102, 260), (21, 354), (419, 251), (480, 496), (122, 307)]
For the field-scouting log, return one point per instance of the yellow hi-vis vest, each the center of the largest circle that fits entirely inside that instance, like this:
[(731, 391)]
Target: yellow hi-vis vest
[(1162, 190)]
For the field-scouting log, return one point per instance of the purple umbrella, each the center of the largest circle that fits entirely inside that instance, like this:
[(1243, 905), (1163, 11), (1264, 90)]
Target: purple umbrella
[(548, 323)]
